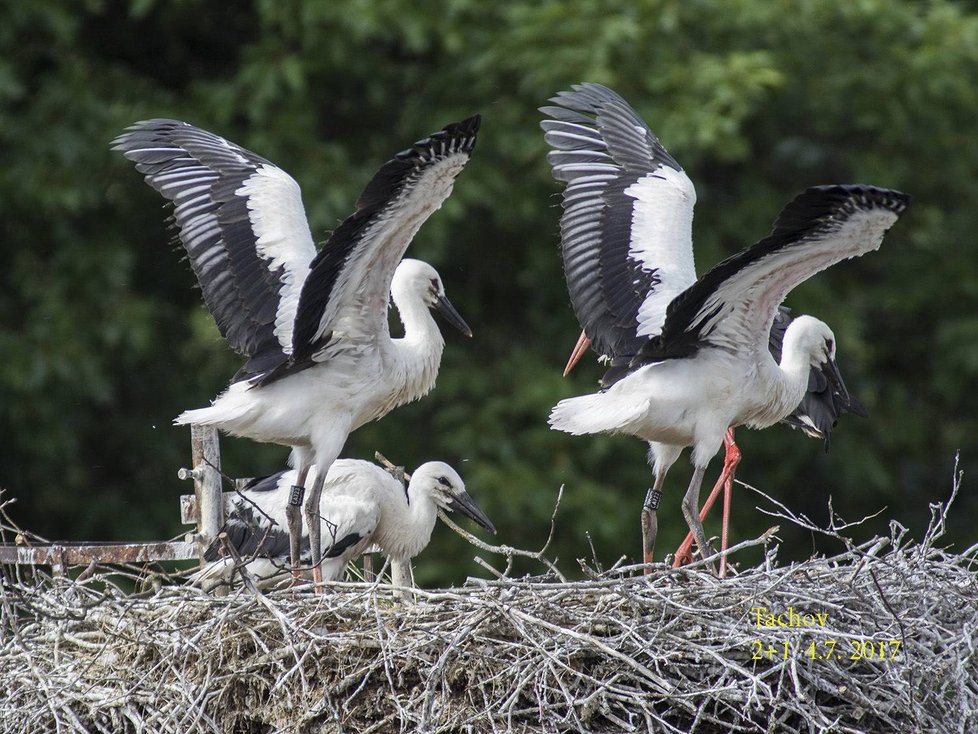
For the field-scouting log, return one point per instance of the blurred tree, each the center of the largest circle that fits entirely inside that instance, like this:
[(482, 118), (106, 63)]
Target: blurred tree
[(104, 339)]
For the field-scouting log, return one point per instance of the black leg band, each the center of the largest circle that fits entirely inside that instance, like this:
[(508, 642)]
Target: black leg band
[(652, 499), (296, 495)]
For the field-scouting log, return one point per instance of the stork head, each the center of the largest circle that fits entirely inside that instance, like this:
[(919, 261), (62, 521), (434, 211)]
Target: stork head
[(439, 481), (810, 337), (417, 280)]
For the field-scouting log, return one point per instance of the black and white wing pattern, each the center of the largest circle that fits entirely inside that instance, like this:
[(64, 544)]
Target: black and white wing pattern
[(244, 228), (346, 294), (243, 225), (734, 304), (256, 526), (626, 230), (824, 402)]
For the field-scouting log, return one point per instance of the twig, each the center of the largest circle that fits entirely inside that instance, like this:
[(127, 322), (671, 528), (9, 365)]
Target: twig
[(503, 550), (669, 652)]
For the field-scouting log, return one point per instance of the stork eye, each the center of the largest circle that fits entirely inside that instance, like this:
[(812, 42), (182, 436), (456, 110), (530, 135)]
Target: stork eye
[(444, 482)]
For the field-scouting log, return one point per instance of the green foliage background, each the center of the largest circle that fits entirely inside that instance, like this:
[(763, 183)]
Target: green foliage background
[(103, 339)]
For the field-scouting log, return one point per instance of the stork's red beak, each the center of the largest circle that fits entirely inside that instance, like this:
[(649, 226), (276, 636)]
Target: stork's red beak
[(582, 346)]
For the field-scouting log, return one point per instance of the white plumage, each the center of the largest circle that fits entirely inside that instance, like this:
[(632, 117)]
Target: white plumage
[(313, 325), (362, 378), (362, 505), (689, 357)]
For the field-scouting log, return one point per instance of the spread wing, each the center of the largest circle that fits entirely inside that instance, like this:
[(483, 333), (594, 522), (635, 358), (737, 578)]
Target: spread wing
[(626, 230), (244, 228), (344, 299), (733, 305)]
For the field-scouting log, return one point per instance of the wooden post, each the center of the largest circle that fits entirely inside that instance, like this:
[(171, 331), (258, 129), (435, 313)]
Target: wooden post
[(206, 456)]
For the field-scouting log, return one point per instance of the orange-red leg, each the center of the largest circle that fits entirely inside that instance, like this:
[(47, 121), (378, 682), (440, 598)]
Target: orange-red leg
[(725, 482)]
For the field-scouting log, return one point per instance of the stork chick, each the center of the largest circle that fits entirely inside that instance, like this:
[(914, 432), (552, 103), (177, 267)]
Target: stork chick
[(362, 505)]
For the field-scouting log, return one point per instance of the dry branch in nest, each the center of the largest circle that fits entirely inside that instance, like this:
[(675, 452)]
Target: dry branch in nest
[(671, 652)]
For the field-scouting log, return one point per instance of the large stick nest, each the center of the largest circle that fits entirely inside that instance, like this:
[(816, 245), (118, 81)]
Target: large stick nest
[(673, 651)]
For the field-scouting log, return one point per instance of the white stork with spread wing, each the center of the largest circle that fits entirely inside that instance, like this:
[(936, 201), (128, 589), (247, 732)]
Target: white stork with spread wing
[(690, 358), (313, 325)]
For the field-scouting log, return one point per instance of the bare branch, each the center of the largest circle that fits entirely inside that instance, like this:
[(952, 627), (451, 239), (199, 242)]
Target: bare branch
[(618, 651)]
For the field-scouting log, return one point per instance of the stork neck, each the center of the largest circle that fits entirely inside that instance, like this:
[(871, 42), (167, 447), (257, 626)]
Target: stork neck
[(794, 367), (420, 348), (407, 523), (416, 318)]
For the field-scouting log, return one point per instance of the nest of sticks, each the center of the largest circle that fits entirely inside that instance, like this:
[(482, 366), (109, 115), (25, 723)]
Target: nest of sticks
[(882, 637)]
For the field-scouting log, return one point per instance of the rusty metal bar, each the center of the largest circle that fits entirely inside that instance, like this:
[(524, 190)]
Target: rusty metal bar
[(208, 499), (61, 555), (206, 456)]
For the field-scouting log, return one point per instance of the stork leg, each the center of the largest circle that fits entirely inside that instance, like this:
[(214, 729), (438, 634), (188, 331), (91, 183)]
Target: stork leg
[(690, 504), (293, 516), (661, 456), (725, 482), (315, 525), (730, 460), (402, 577), (650, 520)]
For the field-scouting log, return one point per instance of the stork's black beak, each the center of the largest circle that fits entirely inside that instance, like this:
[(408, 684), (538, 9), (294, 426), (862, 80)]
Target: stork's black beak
[(465, 505), (838, 387), (840, 394), (447, 310)]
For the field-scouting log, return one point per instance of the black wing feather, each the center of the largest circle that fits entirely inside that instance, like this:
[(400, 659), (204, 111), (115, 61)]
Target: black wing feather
[(239, 289), (601, 147), (394, 177), (822, 405), (250, 532), (337, 549), (814, 212)]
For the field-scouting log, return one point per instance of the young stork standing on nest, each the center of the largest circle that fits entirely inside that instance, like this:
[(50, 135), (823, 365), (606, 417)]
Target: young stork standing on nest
[(689, 358), (825, 401), (362, 505), (321, 362)]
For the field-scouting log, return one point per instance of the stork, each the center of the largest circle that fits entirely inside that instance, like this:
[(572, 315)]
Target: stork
[(824, 402), (362, 505), (688, 358), (321, 362)]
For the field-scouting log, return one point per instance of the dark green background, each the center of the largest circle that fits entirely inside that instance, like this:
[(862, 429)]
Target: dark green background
[(103, 339)]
